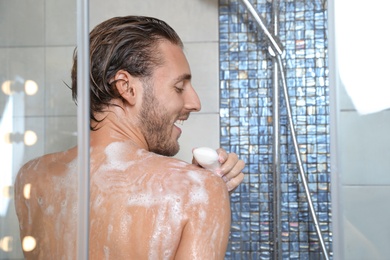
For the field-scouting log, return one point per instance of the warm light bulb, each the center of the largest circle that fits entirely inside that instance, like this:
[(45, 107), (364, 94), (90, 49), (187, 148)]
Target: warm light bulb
[(27, 190), (30, 87), (7, 138), (30, 137), (6, 244), (7, 192), (29, 243), (6, 87)]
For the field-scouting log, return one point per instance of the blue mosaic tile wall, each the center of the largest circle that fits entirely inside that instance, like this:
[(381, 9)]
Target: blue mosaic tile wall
[(247, 126)]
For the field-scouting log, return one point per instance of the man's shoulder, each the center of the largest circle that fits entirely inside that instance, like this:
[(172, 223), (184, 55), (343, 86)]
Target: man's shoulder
[(190, 177), (177, 168), (52, 163)]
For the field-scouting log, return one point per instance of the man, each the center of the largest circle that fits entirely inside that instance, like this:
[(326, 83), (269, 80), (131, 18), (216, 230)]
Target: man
[(144, 204)]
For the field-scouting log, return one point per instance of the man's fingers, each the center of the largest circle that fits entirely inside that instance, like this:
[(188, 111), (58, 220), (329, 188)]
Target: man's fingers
[(232, 184)]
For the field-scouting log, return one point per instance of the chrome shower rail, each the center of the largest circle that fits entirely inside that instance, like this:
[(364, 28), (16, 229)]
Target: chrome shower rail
[(277, 199), (276, 51)]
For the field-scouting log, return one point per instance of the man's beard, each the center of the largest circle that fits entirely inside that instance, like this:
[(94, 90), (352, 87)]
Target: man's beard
[(156, 126)]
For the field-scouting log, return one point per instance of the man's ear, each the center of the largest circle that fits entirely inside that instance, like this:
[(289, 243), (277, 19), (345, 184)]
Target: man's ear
[(127, 86)]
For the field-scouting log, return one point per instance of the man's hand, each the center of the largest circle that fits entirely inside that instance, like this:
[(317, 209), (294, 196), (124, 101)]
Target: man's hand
[(230, 170)]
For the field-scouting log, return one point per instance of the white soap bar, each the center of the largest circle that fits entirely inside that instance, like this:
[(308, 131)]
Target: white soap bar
[(207, 158)]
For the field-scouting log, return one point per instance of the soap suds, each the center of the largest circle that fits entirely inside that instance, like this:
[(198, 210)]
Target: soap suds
[(125, 222), (164, 196), (117, 159), (106, 250), (109, 231), (198, 194), (49, 210)]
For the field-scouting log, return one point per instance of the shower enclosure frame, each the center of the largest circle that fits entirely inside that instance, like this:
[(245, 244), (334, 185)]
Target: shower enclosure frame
[(83, 128), (275, 49)]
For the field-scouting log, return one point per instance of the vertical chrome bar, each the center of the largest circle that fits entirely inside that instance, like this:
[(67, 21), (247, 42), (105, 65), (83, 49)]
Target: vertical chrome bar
[(276, 142), (276, 164), (83, 128)]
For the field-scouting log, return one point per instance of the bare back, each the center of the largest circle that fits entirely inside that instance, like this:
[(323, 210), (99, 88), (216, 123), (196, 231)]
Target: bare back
[(143, 206)]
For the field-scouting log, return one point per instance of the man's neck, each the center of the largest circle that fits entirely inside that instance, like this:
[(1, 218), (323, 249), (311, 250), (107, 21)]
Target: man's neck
[(118, 125)]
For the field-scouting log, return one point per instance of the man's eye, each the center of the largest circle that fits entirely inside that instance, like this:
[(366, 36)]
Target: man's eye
[(179, 89)]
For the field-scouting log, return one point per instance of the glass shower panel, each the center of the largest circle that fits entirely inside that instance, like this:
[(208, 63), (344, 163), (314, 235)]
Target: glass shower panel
[(361, 123), (37, 114)]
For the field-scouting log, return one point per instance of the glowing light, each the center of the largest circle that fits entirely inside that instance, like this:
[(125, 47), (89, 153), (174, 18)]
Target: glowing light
[(29, 243), (6, 244), (6, 87), (30, 137), (30, 87), (7, 138), (27, 190), (7, 192)]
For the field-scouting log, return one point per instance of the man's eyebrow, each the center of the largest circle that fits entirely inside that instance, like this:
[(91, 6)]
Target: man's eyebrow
[(182, 78)]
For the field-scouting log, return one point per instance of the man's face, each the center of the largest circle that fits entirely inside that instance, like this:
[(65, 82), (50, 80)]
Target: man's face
[(168, 100)]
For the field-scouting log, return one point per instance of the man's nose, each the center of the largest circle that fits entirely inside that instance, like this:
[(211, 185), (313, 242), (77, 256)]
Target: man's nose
[(192, 101)]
